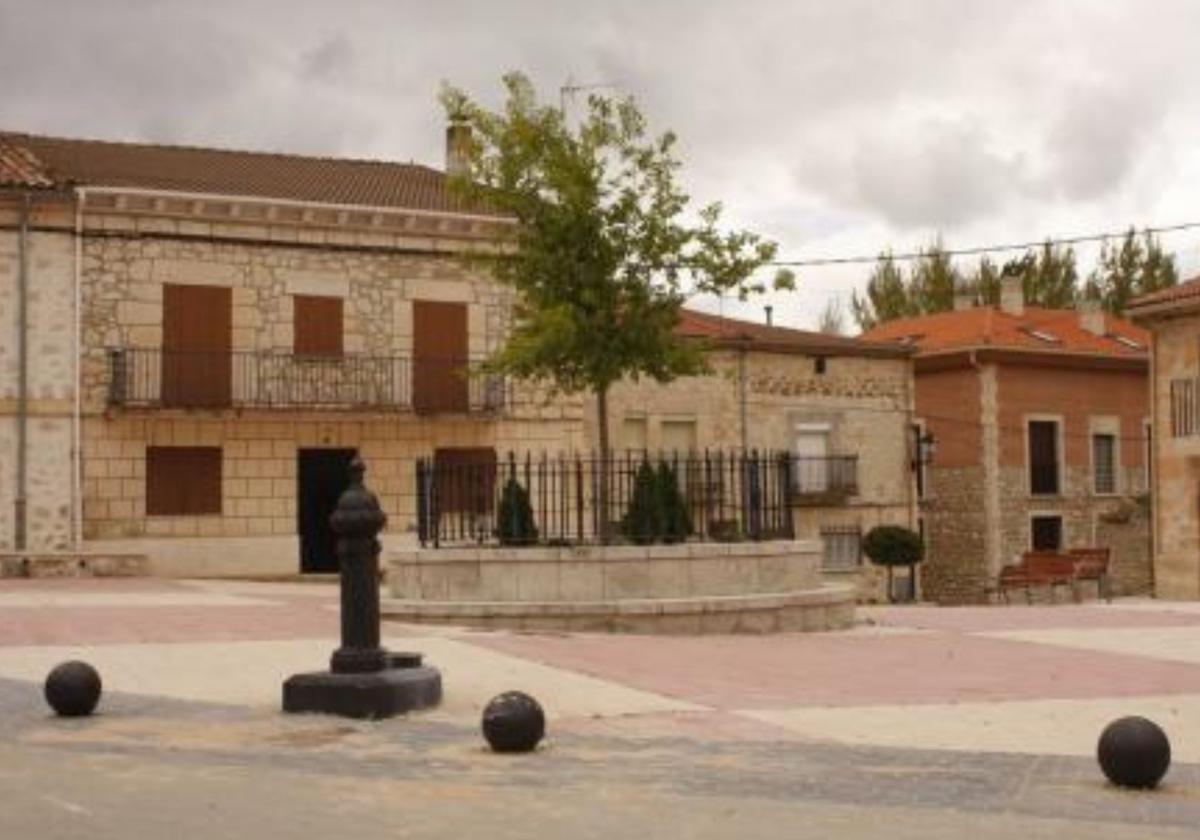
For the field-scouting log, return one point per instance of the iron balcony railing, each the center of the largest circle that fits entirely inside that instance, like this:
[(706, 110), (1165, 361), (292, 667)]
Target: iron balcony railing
[(727, 496), (269, 379), (819, 479), (1185, 418)]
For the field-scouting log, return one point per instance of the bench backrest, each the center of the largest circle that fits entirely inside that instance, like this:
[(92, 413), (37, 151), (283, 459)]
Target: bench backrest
[(1091, 559), (1049, 564)]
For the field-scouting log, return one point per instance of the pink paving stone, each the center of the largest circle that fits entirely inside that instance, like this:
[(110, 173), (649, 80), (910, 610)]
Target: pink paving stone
[(841, 670), (1042, 617)]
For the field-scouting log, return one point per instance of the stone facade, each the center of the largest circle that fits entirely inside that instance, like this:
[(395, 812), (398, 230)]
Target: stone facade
[(977, 508), (759, 400)]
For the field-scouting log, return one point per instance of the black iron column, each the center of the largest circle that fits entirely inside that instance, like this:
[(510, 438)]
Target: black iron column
[(365, 680), (357, 522)]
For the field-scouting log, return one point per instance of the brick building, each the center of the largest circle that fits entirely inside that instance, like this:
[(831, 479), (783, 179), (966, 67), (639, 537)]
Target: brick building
[(1040, 420), (1173, 317)]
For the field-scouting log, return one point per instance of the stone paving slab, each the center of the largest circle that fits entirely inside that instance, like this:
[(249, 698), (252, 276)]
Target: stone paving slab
[(1171, 644)]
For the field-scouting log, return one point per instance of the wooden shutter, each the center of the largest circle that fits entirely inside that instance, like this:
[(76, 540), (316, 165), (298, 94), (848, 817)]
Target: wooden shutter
[(440, 357), (466, 479), (183, 480), (317, 325), (197, 337)]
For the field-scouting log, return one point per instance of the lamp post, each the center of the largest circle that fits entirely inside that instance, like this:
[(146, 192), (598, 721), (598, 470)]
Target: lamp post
[(364, 679)]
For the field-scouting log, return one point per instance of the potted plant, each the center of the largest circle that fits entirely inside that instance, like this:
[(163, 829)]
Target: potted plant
[(891, 546)]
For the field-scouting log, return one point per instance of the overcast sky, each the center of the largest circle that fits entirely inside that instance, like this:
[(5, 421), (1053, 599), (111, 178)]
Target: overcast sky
[(834, 127)]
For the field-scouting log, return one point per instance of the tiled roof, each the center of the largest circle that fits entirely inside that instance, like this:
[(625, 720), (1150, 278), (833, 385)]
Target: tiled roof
[(1037, 329), (20, 168), (1184, 292), (721, 330), (186, 169)]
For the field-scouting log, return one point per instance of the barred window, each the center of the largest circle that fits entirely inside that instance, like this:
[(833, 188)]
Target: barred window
[(1104, 468), (843, 549)]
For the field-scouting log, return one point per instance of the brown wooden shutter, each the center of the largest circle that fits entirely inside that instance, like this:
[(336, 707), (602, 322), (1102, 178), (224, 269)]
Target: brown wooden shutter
[(439, 356), (317, 326), (466, 479), (183, 480), (197, 337)]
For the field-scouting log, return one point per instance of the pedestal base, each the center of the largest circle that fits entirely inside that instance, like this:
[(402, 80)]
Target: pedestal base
[(380, 694)]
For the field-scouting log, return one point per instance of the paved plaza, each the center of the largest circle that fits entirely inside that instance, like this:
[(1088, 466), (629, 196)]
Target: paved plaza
[(919, 722)]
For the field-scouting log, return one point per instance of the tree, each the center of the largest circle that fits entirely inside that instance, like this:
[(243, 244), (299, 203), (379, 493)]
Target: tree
[(602, 244), (891, 546), (833, 319), (886, 297), (1136, 267), (514, 518), (643, 521), (676, 522)]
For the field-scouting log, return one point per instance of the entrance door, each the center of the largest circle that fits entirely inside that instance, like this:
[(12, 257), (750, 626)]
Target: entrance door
[(197, 337), (322, 476)]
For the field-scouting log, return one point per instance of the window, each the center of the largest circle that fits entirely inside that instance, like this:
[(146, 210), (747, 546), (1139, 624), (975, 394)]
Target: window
[(812, 458), (439, 357), (1046, 533), (317, 326), (843, 548), (183, 480), (1104, 466), (196, 342), (819, 365), (633, 433), (678, 436), (1043, 457)]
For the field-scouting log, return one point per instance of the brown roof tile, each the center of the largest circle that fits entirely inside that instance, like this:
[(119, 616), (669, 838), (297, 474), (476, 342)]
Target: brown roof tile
[(1043, 330), (367, 183), (729, 331), (1182, 293), (20, 168)]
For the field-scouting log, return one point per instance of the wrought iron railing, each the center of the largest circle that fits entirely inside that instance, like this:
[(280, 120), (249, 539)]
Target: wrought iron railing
[(269, 379), (726, 496), (1185, 412), (820, 478)]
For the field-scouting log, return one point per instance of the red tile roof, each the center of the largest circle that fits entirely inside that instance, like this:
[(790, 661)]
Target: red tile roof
[(186, 169), (1037, 329), (1183, 293), (730, 331)]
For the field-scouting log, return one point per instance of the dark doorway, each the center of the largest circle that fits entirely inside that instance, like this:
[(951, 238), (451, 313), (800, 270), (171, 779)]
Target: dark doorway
[(322, 475)]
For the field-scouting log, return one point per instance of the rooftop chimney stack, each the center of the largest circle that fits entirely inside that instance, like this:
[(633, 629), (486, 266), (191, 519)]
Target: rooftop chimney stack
[(1091, 317), (768, 311), (1012, 295), (458, 147), (963, 300)]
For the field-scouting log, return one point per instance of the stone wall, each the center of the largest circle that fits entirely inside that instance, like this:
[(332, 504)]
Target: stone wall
[(50, 305)]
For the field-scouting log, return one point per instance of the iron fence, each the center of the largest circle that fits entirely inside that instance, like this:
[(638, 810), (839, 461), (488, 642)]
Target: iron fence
[(270, 379), (723, 496)]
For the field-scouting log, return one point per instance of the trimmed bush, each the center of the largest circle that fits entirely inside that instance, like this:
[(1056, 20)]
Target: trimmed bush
[(893, 545), (643, 521), (676, 523), (514, 519)]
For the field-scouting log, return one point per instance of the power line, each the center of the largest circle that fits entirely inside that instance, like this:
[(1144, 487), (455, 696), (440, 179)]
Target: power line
[(978, 249)]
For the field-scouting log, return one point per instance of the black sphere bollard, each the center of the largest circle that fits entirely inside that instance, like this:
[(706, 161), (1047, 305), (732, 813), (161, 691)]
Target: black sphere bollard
[(73, 689), (1134, 752), (513, 722)]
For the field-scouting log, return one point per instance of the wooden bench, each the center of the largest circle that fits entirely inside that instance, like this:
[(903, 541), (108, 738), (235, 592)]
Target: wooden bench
[(1055, 569)]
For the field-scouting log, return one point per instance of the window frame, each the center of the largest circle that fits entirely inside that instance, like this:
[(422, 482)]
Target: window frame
[(840, 531)]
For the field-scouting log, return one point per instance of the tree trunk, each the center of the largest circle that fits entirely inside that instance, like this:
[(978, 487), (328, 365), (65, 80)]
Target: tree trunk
[(603, 471)]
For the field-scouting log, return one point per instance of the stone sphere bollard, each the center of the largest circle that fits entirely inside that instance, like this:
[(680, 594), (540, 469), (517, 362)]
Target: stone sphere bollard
[(513, 722), (1134, 752), (73, 689)]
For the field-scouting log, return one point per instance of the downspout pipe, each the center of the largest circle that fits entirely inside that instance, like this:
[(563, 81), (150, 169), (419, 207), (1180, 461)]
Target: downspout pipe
[(20, 501), (77, 356)]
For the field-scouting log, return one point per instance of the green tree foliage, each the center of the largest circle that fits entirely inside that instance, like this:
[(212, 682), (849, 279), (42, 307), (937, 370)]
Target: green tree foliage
[(893, 545), (514, 518), (643, 522), (604, 249), (676, 523), (1137, 266)]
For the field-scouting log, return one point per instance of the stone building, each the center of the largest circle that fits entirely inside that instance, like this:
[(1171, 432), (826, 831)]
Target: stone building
[(1040, 422), (1173, 317), (195, 341), (841, 405)]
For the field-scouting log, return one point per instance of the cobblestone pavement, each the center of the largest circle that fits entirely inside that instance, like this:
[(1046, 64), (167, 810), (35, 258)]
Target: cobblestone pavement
[(795, 736)]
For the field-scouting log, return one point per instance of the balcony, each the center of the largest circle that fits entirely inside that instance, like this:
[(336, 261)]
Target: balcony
[(157, 378), (824, 480)]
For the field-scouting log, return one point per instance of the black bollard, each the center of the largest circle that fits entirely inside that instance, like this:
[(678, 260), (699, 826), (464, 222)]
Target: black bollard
[(513, 722), (1134, 752), (73, 689), (365, 680)]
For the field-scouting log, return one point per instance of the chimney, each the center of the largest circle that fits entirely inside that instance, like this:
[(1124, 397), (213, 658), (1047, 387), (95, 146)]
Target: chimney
[(458, 148), (1091, 317), (1012, 296), (963, 301), (768, 311)]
